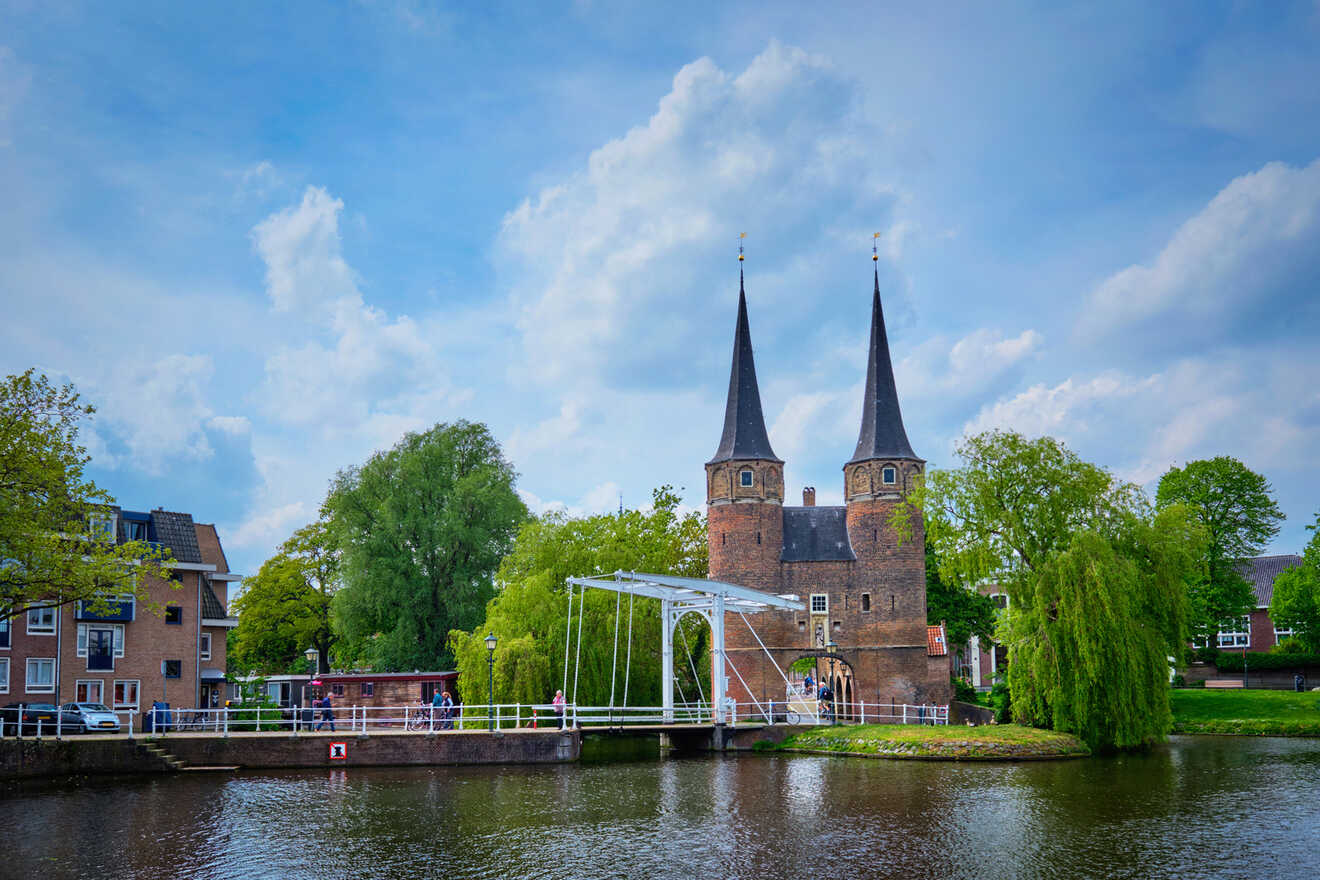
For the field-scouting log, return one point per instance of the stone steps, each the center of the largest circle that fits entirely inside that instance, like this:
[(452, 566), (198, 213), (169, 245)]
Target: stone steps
[(173, 763)]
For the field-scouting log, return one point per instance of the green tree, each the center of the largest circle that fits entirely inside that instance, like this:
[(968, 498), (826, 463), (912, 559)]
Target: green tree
[(1096, 581), (54, 544), (420, 529), (963, 611), (1296, 600), (285, 608), (529, 613), (1234, 505)]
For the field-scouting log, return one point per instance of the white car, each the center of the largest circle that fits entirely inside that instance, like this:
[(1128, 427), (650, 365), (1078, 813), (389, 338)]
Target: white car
[(93, 717)]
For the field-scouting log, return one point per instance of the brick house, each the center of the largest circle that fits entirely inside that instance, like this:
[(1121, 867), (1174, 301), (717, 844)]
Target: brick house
[(865, 594), (132, 656)]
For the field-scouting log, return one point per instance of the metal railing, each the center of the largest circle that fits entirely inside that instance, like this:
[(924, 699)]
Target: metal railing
[(14, 725)]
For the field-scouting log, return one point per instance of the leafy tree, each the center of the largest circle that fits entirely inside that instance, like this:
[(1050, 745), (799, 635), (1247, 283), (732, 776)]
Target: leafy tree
[(1296, 600), (54, 548), (529, 613), (285, 608), (964, 611), (1234, 505), (1096, 581), (421, 529)]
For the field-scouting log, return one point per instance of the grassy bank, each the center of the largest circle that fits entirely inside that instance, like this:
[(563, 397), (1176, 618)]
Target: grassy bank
[(952, 743), (1245, 712)]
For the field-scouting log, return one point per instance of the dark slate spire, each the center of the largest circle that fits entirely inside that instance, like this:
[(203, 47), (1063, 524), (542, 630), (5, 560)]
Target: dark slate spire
[(882, 434), (744, 426)]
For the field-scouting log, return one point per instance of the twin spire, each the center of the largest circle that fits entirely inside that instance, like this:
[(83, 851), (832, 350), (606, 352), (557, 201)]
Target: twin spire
[(882, 435)]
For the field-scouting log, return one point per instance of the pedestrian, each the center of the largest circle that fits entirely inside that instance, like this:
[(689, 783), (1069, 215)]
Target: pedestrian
[(558, 703), (808, 685), (446, 711), (327, 714)]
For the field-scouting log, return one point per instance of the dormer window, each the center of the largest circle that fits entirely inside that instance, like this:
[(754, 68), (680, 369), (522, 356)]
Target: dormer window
[(745, 478), (889, 475)]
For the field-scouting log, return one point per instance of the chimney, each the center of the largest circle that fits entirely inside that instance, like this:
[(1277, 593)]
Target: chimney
[(808, 496)]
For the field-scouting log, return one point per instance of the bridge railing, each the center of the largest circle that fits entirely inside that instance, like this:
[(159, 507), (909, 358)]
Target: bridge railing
[(793, 712)]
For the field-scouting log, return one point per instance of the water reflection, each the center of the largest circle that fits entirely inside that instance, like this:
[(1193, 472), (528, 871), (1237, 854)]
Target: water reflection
[(1202, 807)]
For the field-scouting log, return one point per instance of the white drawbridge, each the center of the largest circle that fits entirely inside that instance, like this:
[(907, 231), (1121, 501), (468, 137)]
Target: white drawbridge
[(678, 596)]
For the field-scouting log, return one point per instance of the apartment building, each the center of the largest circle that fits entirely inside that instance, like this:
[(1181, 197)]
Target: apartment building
[(132, 656)]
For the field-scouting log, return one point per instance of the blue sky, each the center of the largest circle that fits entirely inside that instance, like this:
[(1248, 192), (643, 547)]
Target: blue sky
[(267, 240)]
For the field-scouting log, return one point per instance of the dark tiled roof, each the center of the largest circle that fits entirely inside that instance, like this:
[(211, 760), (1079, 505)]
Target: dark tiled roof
[(936, 644), (175, 531), (1260, 572), (816, 534), (212, 609), (882, 434), (744, 425)]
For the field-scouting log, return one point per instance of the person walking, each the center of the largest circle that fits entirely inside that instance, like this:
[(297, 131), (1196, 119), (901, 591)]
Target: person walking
[(327, 714), (558, 703), (446, 711)]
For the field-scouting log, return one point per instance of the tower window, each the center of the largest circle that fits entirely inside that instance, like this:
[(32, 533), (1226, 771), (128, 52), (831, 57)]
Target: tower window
[(820, 603), (892, 607), (745, 478), (866, 602), (724, 538), (758, 537), (889, 475)]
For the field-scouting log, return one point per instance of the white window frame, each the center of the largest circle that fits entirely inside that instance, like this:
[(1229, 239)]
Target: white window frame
[(1234, 638), (114, 693), (204, 649), (4, 675), (37, 662), (824, 603), (117, 640), (41, 629), (889, 475), (99, 683), (1004, 596), (746, 479), (1281, 634)]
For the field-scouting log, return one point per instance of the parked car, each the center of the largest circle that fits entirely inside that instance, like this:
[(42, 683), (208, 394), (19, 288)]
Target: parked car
[(91, 717), (34, 715)]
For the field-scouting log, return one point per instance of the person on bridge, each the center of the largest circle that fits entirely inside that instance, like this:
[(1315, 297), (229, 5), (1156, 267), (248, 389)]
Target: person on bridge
[(558, 703), (327, 714), (446, 711)]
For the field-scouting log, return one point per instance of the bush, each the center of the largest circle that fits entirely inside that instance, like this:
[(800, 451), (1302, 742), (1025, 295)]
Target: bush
[(1290, 645), (1205, 655), (1179, 681), (1002, 703), (963, 691), (1233, 662)]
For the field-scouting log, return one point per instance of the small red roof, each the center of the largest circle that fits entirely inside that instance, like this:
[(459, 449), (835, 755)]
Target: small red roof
[(936, 644)]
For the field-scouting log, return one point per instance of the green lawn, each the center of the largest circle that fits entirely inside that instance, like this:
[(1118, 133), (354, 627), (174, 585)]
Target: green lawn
[(1245, 712), (953, 742)]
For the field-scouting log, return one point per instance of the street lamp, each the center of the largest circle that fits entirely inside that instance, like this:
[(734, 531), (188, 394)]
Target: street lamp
[(490, 681), (831, 648), (313, 660)]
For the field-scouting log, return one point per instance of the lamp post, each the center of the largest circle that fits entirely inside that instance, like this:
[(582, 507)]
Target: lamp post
[(313, 660), (831, 648), (490, 679)]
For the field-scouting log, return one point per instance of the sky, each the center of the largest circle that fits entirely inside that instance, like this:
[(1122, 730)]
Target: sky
[(266, 240)]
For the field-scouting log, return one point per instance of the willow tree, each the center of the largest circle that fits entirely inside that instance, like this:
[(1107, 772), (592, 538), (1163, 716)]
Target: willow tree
[(1096, 581), (529, 614)]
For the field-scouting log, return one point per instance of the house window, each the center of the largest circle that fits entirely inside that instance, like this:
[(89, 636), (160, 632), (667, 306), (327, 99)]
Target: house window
[(1281, 634), (41, 621), (745, 479), (337, 690), (1000, 600), (173, 614), (88, 690), (4, 675), (173, 668), (820, 603), (368, 688), (103, 526), (206, 646), (1239, 636), (40, 675), (87, 631), (889, 475), (866, 602), (126, 694), (4, 631)]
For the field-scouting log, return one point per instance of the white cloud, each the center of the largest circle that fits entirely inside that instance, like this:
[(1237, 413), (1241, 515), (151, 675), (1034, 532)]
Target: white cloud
[(1253, 248), (269, 527), (967, 367)]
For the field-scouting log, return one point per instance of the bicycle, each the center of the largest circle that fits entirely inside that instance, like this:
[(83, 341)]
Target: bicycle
[(420, 720)]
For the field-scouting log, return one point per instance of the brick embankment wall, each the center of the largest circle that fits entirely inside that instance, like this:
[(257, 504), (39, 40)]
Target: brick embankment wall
[(268, 751), (31, 758)]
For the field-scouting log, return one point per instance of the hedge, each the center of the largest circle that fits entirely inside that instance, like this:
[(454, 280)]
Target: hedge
[(1232, 662)]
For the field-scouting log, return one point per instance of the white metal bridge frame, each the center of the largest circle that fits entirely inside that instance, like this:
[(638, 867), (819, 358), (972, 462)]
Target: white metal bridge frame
[(680, 596)]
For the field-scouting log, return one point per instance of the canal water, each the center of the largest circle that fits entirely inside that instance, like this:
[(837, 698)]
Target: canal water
[(1197, 807)]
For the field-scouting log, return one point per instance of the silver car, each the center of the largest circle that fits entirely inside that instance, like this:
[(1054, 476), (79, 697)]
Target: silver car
[(92, 717)]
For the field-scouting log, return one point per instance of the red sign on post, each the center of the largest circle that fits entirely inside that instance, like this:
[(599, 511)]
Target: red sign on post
[(339, 751)]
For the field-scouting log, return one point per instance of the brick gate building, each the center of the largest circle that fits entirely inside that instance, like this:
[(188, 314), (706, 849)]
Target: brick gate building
[(865, 594)]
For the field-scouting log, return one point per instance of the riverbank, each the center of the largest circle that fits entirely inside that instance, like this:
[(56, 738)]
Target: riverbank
[(991, 742), (1245, 712)]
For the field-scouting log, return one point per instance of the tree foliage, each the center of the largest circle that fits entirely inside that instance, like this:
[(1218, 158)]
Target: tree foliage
[(1096, 581), (529, 614), (285, 608), (1296, 600), (54, 547), (964, 611), (1234, 506), (421, 529)]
